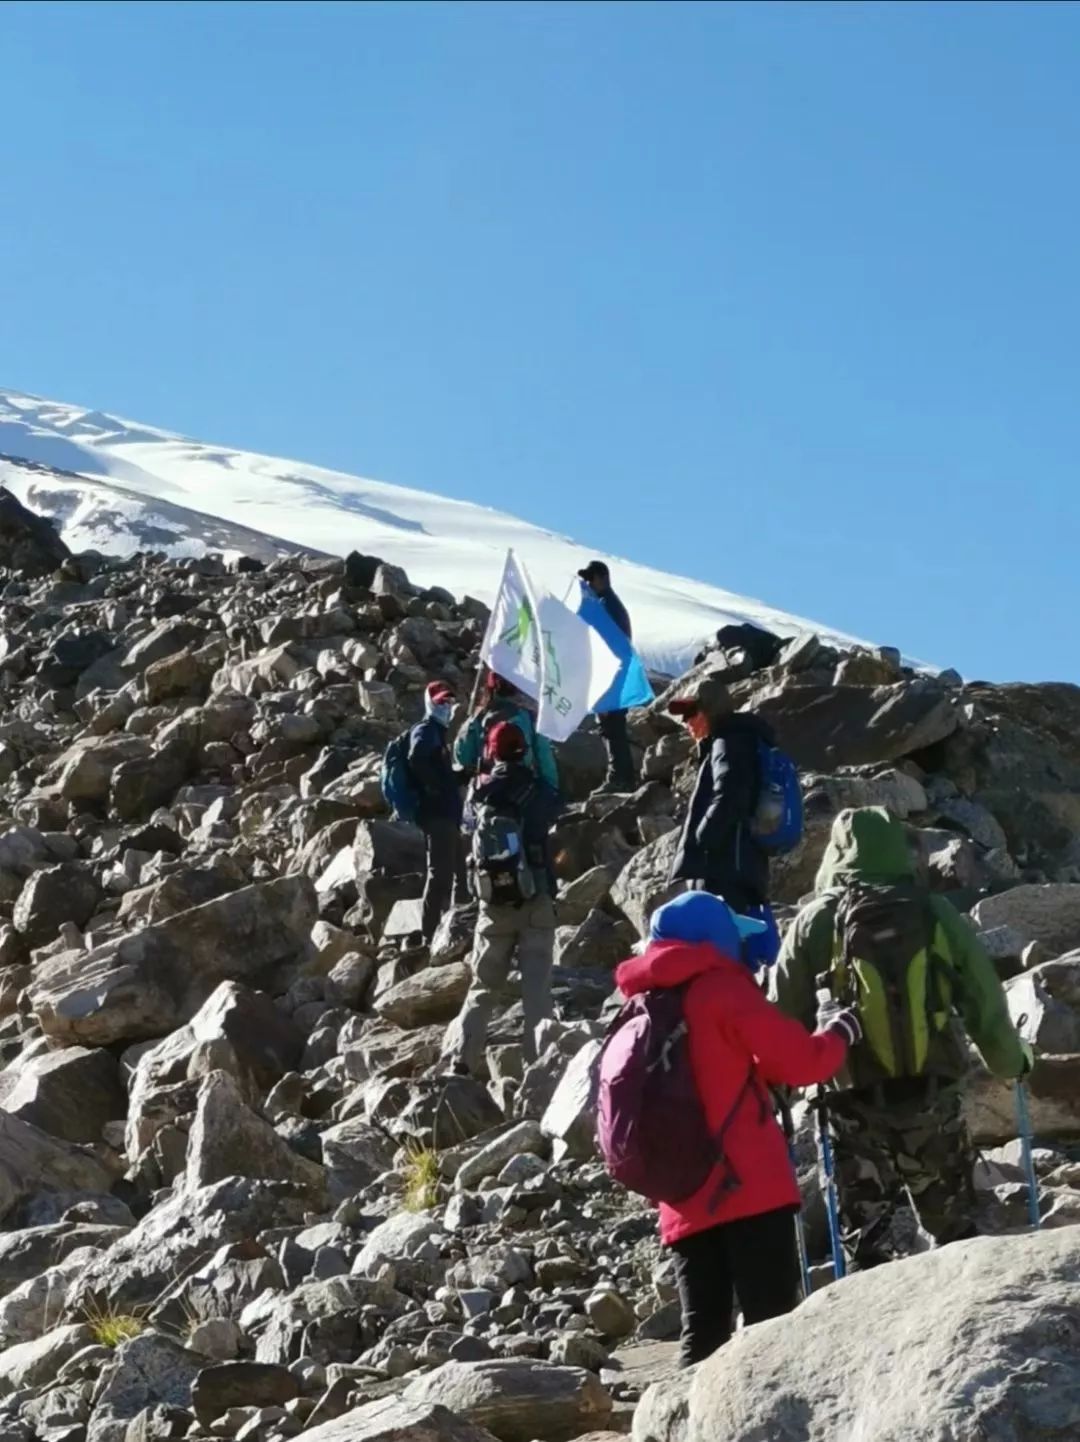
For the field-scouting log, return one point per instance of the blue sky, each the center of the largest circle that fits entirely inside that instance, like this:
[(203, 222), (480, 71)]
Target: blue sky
[(781, 297)]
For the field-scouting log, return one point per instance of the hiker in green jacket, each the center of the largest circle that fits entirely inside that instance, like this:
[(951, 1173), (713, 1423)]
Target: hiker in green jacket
[(875, 939)]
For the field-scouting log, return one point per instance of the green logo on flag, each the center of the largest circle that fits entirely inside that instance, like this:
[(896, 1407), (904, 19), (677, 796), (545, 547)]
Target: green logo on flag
[(522, 632)]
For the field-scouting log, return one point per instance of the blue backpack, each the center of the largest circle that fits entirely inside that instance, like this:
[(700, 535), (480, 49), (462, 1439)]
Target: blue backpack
[(777, 823), (396, 780)]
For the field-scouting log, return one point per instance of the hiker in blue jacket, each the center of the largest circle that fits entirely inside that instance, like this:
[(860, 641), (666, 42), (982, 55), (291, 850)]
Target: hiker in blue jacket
[(439, 809), (621, 774)]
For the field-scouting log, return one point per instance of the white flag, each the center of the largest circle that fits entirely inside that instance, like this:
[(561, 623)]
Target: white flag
[(548, 652)]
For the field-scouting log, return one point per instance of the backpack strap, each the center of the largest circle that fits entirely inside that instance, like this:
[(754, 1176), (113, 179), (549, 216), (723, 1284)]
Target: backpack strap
[(729, 1179)]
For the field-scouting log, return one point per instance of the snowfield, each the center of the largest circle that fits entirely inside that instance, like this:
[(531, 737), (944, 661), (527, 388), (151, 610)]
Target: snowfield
[(118, 486)]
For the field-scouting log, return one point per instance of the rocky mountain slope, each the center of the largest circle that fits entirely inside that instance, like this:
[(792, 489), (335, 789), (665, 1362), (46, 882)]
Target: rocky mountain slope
[(119, 487), (237, 1196)]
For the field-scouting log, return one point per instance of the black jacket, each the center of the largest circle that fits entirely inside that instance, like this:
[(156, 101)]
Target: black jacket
[(618, 612), (433, 772), (513, 789), (716, 848)]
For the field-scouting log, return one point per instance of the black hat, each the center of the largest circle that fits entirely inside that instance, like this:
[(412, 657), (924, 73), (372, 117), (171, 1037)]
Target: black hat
[(595, 568)]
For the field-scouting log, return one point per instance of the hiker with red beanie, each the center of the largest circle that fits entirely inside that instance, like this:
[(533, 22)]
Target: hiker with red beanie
[(439, 808), (510, 812), (501, 701), (733, 1236)]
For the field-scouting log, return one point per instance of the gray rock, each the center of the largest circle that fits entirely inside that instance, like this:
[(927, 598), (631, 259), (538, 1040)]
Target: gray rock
[(644, 882), (32, 1363), (263, 1045), (610, 1313), (149, 1370), (32, 1160), (51, 897), (991, 1320), (229, 1140), (70, 1093), (394, 1419), (241, 1384), (153, 981), (518, 1401), (26, 1253), (1050, 914), (431, 996), (354, 1154), (826, 726), (402, 1235), (180, 1231), (489, 1160)]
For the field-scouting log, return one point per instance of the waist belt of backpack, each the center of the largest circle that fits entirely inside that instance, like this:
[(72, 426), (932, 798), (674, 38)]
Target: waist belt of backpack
[(729, 1180)]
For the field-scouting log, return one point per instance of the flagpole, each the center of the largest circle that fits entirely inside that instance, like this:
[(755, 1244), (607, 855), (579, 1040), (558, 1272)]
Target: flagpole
[(481, 664), (526, 581)]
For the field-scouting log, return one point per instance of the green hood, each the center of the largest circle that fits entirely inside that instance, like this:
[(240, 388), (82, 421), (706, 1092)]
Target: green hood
[(866, 845)]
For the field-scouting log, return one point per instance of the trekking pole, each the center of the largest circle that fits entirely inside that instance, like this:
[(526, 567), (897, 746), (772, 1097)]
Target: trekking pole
[(1023, 1122), (828, 1176), (800, 1229)]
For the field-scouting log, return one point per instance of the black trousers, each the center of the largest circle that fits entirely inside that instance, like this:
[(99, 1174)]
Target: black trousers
[(620, 773), (754, 1259), (446, 879)]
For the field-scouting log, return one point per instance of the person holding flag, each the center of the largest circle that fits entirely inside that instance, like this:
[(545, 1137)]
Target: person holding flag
[(601, 608)]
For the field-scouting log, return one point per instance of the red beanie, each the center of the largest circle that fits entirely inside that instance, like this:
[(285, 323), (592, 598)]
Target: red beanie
[(439, 691), (505, 742)]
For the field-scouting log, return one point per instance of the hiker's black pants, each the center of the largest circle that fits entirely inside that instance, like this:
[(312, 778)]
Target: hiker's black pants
[(446, 878), (754, 1259), (620, 772)]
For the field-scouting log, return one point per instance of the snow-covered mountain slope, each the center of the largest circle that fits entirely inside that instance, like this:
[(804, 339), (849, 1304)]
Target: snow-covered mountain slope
[(118, 486)]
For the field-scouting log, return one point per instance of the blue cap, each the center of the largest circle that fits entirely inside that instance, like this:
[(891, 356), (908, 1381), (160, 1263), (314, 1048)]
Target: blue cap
[(698, 916)]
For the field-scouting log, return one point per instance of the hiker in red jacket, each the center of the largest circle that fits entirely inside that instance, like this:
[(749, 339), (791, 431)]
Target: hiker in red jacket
[(739, 1242)]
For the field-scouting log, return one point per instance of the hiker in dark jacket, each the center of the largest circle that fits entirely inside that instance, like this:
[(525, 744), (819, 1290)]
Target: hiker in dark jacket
[(522, 930), (439, 809), (738, 1240), (717, 851), (621, 774), (895, 1133)]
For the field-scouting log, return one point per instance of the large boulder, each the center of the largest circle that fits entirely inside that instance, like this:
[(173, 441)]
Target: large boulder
[(823, 727), (645, 883), (991, 1322), (393, 1419), (32, 1161), (52, 896), (147, 984), (228, 1140), (149, 1370), (262, 1044), (188, 1226), (517, 1400), (29, 544), (70, 1093), (1049, 914), (32, 1363), (432, 995), (1053, 1091), (84, 771)]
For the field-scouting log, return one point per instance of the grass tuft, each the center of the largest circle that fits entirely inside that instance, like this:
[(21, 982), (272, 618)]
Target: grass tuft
[(421, 1178), (112, 1328)]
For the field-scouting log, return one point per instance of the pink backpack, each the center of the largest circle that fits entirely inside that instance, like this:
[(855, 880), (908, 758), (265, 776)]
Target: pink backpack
[(651, 1126)]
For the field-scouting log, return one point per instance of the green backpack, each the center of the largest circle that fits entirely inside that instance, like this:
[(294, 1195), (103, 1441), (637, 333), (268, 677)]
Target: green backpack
[(893, 964)]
